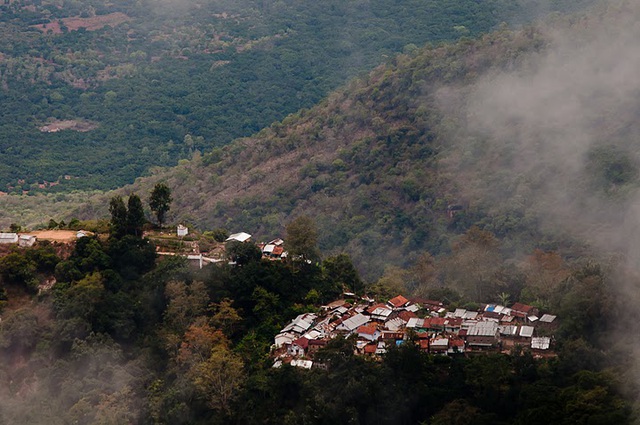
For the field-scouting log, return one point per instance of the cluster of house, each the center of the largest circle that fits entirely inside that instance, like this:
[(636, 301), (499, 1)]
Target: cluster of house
[(377, 326), (273, 250), (14, 238)]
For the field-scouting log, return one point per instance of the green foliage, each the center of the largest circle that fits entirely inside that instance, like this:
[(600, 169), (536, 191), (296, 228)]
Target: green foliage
[(340, 269), (160, 201), (242, 253), (135, 215), (302, 239), (218, 234), (118, 212), (18, 269)]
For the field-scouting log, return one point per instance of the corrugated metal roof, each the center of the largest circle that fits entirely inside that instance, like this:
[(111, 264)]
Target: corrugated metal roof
[(268, 249), (460, 312), (470, 315), (415, 322), (488, 328), (547, 318), (541, 343), (440, 342), (240, 237), (301, 323), (305, 364), (353, 323), (9, 236), (510, 330), (526, 331), (394, 324)]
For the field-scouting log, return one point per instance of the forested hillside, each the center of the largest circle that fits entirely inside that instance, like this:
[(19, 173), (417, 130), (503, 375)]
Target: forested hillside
[(101, 92), (379, 163), (497, 169), (373, 164)]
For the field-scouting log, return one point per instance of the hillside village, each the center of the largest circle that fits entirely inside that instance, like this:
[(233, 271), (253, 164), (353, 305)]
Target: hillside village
[(430, 324), (435, 327)]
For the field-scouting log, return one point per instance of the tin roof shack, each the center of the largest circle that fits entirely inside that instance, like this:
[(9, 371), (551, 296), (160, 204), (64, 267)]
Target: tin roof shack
[(523, 310), (540, 343), (439, 345), (482, 335), (301, 323), (8, 238), (547, 323), (182, 231), (352, 323), (240, 237), (392, 337), (508, 336), (398, 302), (314, 345), (26, 240), (298, 347)]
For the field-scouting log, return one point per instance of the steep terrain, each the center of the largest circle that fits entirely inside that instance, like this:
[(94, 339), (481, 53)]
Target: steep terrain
[(378, 163), (160, 80), (372, 164)]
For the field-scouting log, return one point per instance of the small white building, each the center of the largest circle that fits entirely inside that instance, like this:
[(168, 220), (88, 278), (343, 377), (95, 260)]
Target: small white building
[(81, 234), (182, 230), (240, 237), (8, 238), (26, 240)]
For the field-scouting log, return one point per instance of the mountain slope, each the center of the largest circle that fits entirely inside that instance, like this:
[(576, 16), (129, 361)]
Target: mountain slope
[(377, 163), (157, 80), (366, 164)]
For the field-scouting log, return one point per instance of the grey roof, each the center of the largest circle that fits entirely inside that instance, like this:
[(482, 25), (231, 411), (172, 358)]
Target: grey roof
[(509, 330), (526, 331), (353, 323), (460, 312), (547, 318), (305, 364), (301, 323), (9, 236), (394, 324), (470, 315), (240, 237), (412, 308), (415, 322), (487, 328), (440, 342), (541, 343)]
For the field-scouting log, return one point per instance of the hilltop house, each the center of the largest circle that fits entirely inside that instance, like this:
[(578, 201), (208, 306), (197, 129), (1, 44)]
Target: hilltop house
[(26, 240), (8, 238), (239, 237)]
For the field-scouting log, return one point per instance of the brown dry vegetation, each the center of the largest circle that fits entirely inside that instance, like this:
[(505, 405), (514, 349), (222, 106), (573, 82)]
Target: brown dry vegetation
[(90, 24)]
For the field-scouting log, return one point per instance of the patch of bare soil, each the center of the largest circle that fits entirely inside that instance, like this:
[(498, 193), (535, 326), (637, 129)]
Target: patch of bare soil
[(90, 24), (76, 125), (55, 235)]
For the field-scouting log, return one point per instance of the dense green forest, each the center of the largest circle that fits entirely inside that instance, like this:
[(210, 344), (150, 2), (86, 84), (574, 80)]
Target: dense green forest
[(150, 83)]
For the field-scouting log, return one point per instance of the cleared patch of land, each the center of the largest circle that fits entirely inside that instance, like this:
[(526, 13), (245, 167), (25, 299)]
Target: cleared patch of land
[(90, 24), (55, 235), (76, 125)]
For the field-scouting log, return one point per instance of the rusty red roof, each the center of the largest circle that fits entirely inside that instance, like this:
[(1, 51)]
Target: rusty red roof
[(301, 342), (406, 315), (398, 301), (523, 308), (370, 348), (367, 329)]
